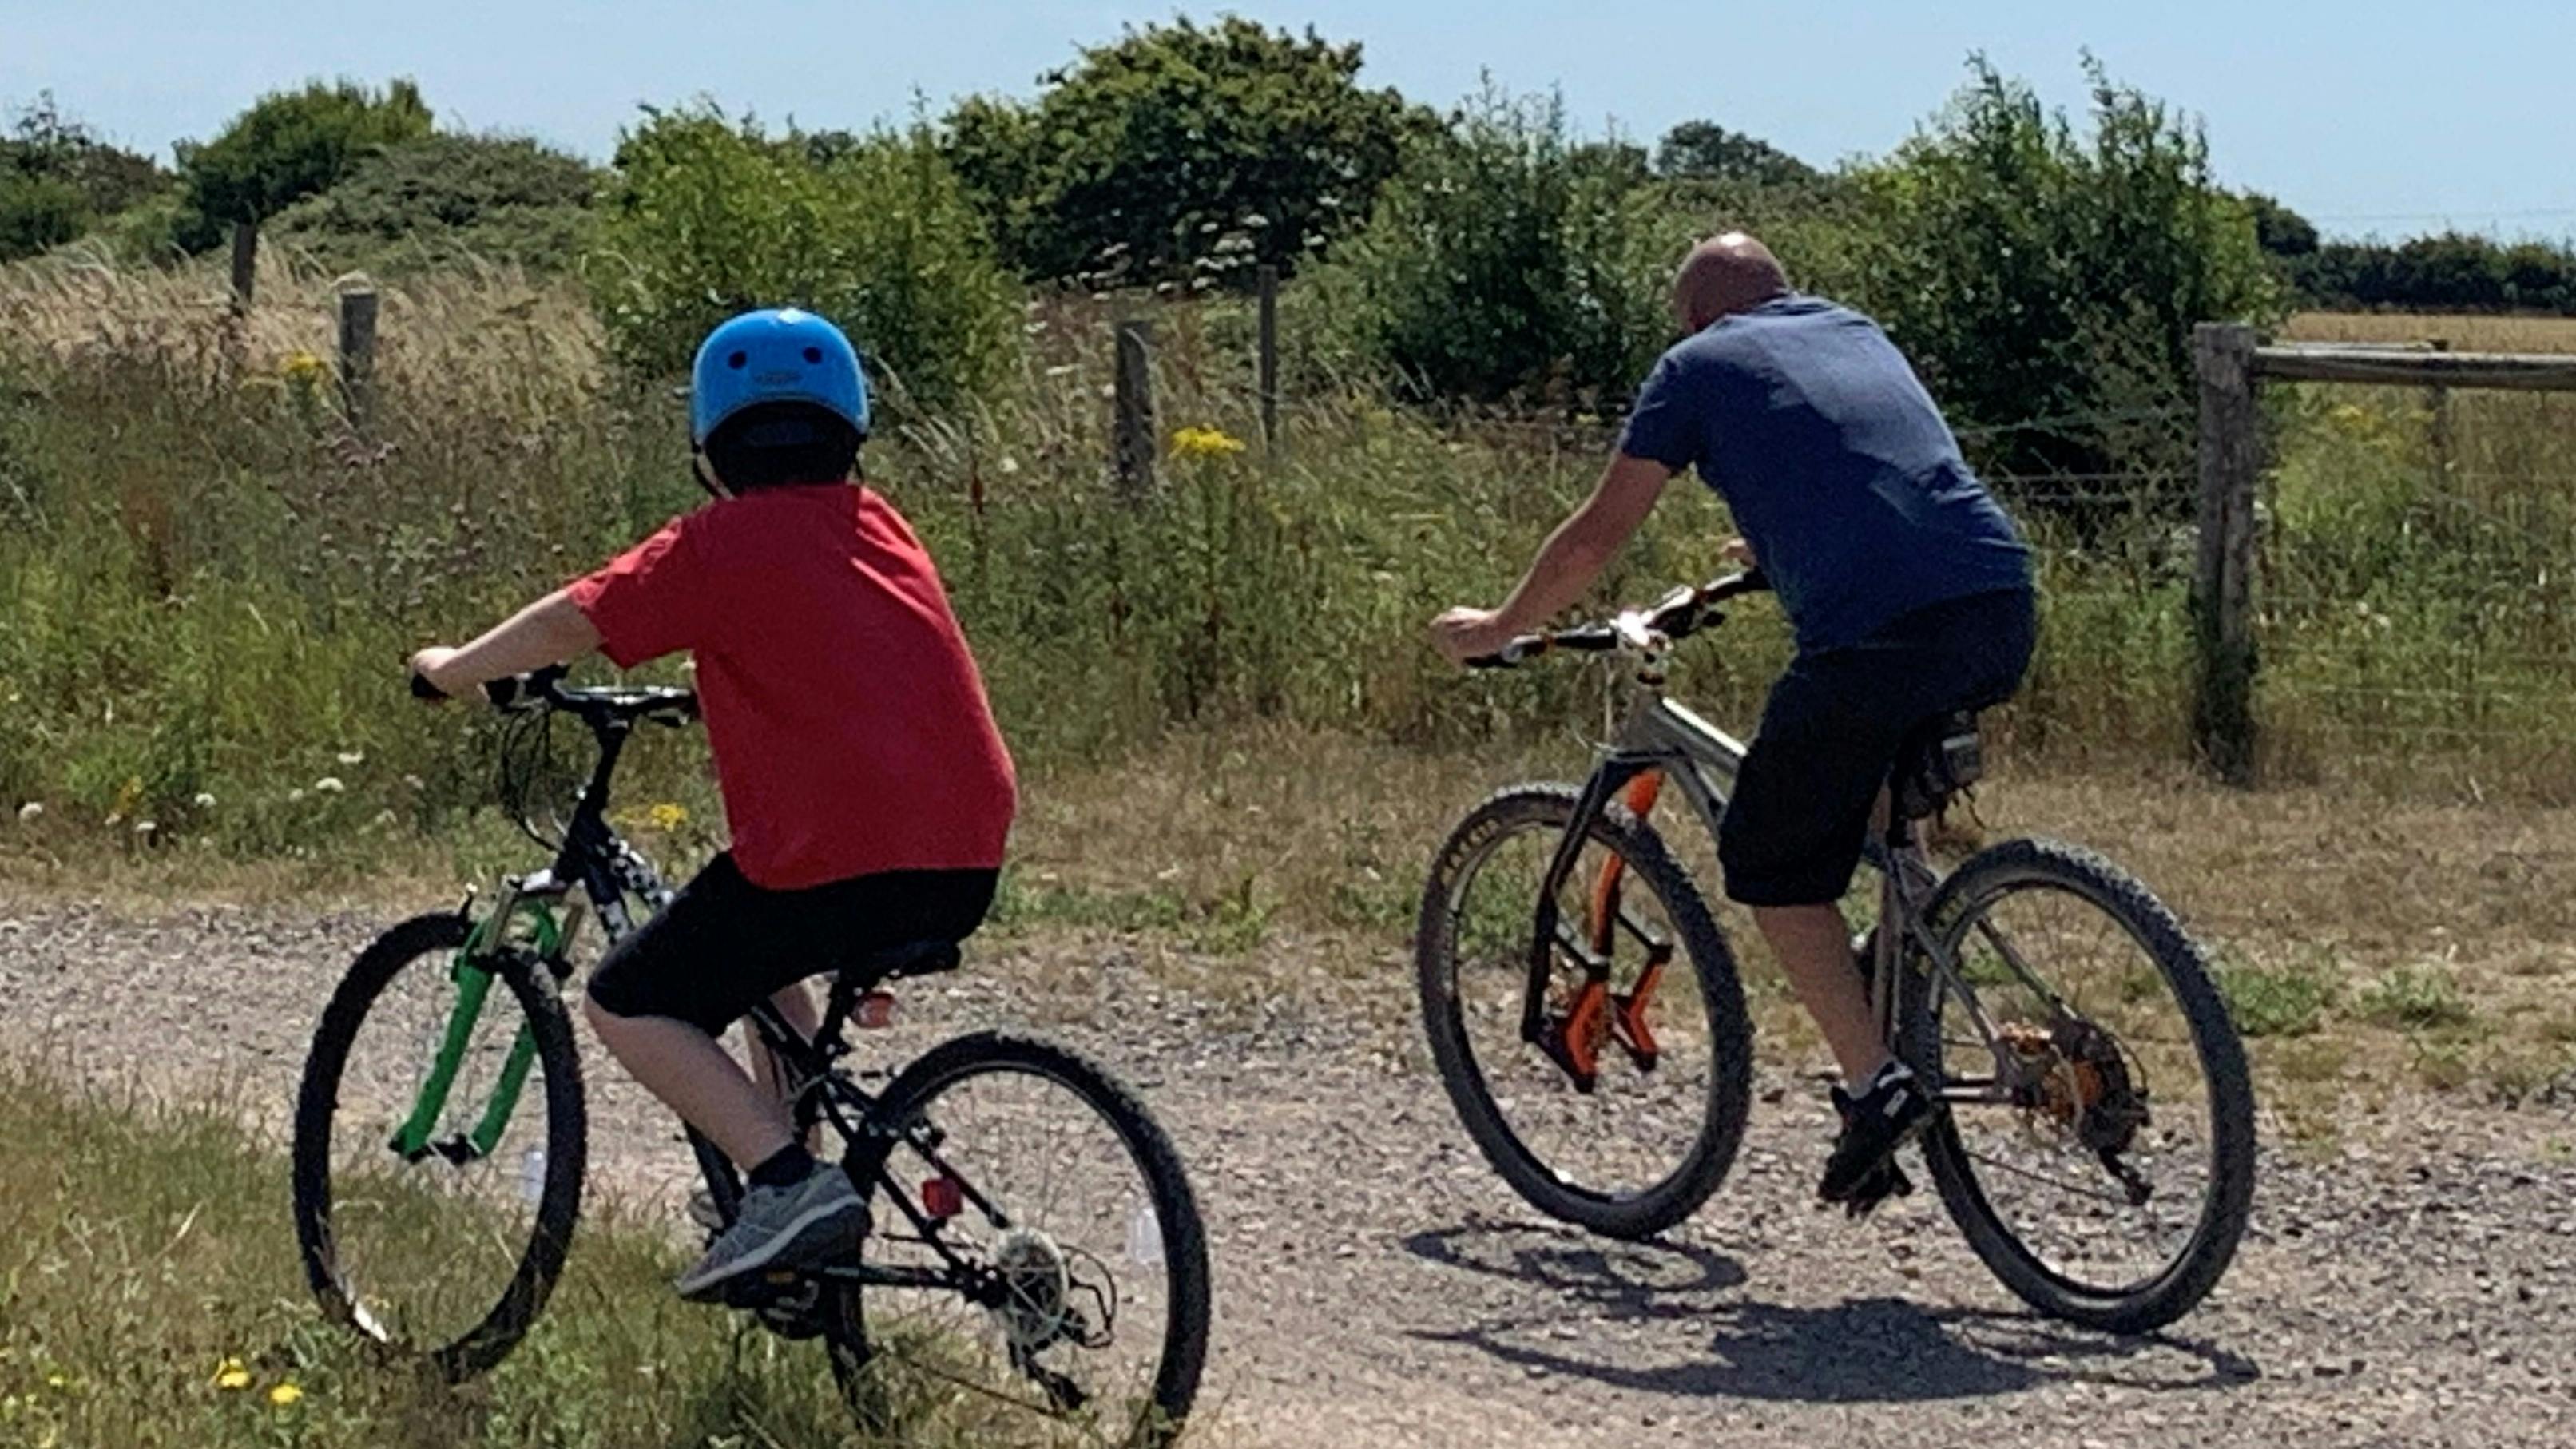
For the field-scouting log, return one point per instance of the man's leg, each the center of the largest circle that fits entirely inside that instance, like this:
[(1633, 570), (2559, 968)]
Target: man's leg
[(1814, 947)]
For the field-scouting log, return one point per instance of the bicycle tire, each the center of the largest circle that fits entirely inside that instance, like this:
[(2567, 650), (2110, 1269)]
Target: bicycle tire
[(1712, 1152), (1184, 1234), (491, 1339), (2184, 964)]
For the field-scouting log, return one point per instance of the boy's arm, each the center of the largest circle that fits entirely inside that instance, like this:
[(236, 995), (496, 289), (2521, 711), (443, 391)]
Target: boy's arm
[(1567, 563), (553, 630)]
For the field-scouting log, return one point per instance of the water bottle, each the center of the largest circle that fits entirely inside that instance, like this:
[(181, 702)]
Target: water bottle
[(532, 1175), (1145, 1237)]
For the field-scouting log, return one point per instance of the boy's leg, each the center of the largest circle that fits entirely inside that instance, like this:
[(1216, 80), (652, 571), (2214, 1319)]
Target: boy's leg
[(794, 1004), (693, 1075)]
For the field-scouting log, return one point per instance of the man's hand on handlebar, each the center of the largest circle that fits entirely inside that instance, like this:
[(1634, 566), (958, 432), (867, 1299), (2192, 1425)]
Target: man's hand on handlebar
[(1463, 633)]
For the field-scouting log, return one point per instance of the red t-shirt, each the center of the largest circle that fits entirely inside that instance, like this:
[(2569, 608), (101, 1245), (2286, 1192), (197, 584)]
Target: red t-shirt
[(850, 728)]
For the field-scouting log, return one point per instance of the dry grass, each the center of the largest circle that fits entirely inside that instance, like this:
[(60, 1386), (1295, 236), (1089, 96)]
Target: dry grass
[(2463, 333)]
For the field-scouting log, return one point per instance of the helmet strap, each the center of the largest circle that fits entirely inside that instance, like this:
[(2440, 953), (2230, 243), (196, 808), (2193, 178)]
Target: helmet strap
[(705, 473)]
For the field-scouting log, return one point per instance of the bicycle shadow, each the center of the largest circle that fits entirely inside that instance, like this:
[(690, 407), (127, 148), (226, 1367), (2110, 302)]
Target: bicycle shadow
[(1872, 1350)]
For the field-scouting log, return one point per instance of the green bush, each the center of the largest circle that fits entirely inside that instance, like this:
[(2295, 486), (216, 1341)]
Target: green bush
[(37, 213), (1508, 262), (57, 180), (288, 146), (708, 217), (1181, 153), (2033, 273), (442, 198)]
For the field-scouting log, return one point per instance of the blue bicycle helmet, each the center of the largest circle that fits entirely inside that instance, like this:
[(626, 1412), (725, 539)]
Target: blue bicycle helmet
[(776, 355)]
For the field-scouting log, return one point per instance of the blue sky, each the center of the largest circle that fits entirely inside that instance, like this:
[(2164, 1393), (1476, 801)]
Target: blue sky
[(2369, 115)]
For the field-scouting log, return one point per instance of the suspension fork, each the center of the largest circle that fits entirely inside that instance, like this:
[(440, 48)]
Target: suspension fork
[(474, 978), (1570, 1043)]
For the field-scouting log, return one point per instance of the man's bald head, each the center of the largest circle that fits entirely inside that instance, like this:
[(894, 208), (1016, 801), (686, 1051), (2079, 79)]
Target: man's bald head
[(1725, 275)]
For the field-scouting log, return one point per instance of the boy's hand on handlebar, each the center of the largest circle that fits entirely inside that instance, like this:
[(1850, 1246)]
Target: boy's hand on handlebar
[(430, 664), (1463, 634)]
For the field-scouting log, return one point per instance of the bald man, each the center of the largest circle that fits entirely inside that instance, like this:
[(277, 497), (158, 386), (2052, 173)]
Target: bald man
[(1907, 587)]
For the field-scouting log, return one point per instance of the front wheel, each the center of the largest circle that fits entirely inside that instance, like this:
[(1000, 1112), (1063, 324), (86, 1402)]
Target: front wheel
[(1057, 1263), (439, 1138), (2098, 1150), (1625, 1113)]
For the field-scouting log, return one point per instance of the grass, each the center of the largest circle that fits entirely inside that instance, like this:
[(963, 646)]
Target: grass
[(150, 1295), (2463, 333)]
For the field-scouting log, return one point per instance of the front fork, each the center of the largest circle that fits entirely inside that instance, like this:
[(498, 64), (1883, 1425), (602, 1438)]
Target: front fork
[(474, 972), (1596, 1014)]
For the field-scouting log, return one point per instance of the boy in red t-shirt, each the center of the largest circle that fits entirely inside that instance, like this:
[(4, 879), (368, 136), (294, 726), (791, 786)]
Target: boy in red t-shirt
[(867, 790)]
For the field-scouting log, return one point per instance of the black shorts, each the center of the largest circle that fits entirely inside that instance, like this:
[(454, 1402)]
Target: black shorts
[(724, 945), (1792, 834)]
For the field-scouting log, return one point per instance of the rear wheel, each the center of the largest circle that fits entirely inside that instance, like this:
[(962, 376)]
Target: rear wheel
[(447, 1250), (1063, 1263), (2106, 1174), (1637, 1142)]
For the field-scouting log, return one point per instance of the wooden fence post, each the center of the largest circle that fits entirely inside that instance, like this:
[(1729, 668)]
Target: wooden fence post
[(358, 353), (245, 264), (1269, 282), (2222, 592), (2441, 401), (1133, 437)]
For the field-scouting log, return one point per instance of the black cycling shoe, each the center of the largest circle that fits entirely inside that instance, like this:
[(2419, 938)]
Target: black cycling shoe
[(1875, 1124)]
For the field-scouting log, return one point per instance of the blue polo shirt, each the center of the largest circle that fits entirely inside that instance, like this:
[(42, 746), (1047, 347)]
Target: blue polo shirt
[(1835, 463)]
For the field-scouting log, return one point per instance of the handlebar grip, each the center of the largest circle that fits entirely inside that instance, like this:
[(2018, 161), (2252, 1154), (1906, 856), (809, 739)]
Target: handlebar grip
[(421, 688)]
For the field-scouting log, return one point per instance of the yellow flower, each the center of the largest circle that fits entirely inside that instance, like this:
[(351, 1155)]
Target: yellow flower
[(230, 1376), (667, 816), (56, 1381), (284, 1394), (299, 366), (1205, 443), (129, 794)]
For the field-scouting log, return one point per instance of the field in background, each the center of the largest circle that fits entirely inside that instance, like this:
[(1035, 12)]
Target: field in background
[(2465, 334)]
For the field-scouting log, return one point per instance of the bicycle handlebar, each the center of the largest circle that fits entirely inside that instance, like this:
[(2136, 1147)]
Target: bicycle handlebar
[(1683, 612), (544, 689)]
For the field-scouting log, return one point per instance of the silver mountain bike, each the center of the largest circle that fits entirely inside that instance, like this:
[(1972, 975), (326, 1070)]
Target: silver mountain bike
[(2096, 1143)]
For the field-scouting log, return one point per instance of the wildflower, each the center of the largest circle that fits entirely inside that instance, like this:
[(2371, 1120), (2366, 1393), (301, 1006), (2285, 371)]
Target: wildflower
[(284, 1394), (57, 1381), (295, 796), (412, 782), (353, 757), (231, 1376), (667, 816), (328, 785), (300, 366), (205, 800), (1205, 443), (128, 795)]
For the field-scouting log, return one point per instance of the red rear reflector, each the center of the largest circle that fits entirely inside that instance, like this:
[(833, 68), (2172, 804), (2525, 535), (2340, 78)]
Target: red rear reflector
[(943, 1198)]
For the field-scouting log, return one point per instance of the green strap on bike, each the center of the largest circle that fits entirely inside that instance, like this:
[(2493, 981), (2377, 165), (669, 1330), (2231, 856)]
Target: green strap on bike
[(473, 985)]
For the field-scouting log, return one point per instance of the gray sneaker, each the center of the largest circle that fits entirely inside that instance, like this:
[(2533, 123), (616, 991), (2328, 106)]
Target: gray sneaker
[(806, 1225)]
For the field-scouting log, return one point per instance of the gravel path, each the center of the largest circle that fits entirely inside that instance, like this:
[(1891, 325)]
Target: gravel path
[(1376, 1286)]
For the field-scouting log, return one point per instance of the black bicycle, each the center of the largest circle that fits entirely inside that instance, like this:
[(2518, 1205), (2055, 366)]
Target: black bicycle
[(2096, 1135), (1035, 1254)]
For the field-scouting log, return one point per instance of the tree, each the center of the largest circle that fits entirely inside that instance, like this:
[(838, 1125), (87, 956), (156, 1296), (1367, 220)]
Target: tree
[(1182, 153), (708, 216), (1508, 261), (58, 179), (2279, 230), (2036, 275), (495, 197), (1707, 151), (290, 145)]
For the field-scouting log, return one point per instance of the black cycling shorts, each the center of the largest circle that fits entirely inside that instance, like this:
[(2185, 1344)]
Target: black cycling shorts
[(724, 945), (1792, 834)]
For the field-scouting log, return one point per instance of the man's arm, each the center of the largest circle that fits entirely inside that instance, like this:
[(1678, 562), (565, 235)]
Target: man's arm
[(550, 631), (1567, 563)]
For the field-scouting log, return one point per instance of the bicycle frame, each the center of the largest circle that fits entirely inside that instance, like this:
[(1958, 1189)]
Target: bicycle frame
[(608, 869), (1665, 742)]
